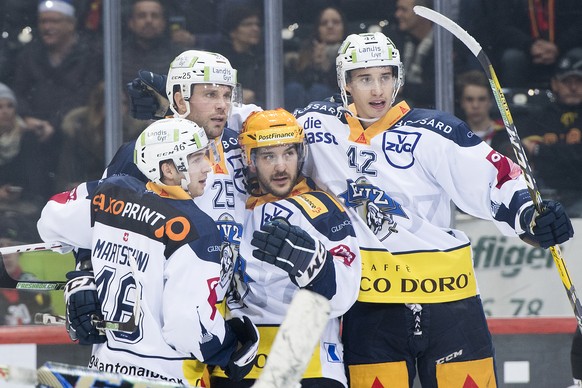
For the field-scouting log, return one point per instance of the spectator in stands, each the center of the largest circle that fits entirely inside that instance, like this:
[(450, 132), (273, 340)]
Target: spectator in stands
[(53, 75), (554, 139), (531, 35), (475, 16), (147, 44), (83, 155), (311, 75), (20, 200), (415, 39), (18, 26), (18, 307), (189, 26), (475, 103), (16, 18), (242, 45)]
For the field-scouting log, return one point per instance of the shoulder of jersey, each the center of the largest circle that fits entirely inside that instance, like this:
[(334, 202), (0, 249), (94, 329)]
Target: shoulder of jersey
[(121, 180), (442, 123), (327, 108), (324, 213), (203, 236), (229, 139)]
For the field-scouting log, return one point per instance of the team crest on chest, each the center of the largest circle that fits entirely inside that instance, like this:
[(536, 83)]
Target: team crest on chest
[(231, 234), (236, 163), (274, 210), (374, 206), (399, 147)]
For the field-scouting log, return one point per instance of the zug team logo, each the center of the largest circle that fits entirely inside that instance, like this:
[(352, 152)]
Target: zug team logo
[(374, 206), (237, 165), (231, 234), (399, 147), (273, 210)]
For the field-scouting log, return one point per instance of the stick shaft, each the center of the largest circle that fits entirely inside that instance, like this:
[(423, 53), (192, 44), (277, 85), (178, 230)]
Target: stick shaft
[(57, 375), (518, 149), (32, 247)]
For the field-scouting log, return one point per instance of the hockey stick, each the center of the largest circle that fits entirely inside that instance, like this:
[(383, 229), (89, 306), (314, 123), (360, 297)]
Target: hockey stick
[(101, 325), (6, 281), (57, 375), (520, 155), (295, 341), (33, 247)]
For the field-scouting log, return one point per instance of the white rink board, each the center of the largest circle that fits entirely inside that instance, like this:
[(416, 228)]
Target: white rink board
[(518, 280)]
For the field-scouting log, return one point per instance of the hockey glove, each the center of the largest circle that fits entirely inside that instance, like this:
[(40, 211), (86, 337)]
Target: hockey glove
[(83, 308), (243, 359), (147, 95), (550, 227), (290, 248)]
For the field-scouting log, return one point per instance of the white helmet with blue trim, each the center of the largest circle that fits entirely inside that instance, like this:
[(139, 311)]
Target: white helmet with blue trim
[(199, 67), (169, 139), (360, 51)]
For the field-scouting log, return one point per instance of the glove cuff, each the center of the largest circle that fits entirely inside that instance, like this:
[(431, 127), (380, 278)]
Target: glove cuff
[(324, 283), (320, 258), (80, 281)]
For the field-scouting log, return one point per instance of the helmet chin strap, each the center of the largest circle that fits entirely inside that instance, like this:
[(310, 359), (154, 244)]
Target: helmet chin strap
[(177, 114), (367, 120), (184, 182), (374, 119)]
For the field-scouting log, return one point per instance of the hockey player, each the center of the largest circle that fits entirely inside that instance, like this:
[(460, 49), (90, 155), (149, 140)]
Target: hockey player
[(398, 169), (155, 260), (295, 236), (202, 87)]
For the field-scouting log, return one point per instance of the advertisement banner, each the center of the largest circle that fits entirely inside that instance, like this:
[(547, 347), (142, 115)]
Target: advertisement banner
[(516, 279)]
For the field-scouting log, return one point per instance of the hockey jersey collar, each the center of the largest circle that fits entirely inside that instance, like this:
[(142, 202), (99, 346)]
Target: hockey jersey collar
[(360, 135), (172, 192), (301, 187)]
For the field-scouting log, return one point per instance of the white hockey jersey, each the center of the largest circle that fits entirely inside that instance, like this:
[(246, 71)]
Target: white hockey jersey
[(400, 176), (263, 292), (153, 245), (224, 196)]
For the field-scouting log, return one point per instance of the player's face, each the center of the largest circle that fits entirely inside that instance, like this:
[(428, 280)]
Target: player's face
[(209, 107), (277, 169), (476, 103), (371, 91), (198, 168)]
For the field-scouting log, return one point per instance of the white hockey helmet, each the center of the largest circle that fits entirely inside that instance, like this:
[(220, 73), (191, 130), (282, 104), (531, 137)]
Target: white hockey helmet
[(360, 51), (169, 139), (199, 67)]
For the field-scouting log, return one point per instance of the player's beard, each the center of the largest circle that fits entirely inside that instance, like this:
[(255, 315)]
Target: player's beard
[(267, 184)]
